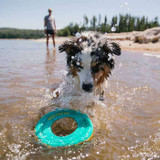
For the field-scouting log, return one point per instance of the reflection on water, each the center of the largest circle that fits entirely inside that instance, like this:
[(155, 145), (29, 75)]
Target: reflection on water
[(50, 59), (128, 125)]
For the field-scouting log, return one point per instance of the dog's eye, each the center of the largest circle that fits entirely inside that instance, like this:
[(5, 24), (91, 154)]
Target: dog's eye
[(79, 65), (92, 53), (101, 68), (74, 50), (96, 67)]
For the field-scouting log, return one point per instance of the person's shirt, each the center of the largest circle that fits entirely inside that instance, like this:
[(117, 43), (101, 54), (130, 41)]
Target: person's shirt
[(49, 22)]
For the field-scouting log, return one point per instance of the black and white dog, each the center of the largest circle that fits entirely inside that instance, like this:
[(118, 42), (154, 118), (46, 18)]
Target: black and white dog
[(90, 60)]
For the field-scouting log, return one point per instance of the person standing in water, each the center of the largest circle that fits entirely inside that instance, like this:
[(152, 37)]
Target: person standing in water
[(50, 27)]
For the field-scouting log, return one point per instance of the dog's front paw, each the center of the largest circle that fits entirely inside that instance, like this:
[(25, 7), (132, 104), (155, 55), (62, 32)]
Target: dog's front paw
[(101, 98), (55, 94)]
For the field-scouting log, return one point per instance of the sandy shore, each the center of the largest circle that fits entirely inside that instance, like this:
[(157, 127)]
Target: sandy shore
[(131, 46), (127, 45)]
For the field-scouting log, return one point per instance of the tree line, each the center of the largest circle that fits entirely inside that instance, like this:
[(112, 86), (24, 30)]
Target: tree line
[(20, 33), (121, 23), (117, 24)]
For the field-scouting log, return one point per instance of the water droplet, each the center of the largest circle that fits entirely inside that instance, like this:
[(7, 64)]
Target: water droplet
[(137, 141), (72, 57), (80, 25), (113, 29), (124, 6), (109, 56), (80, 40), (78, 35), (99, 26), (87, 155), (47, 90), (54, 94), (78, 63)]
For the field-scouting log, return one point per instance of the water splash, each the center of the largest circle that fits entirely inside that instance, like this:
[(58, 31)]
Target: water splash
[(113, 29), (125, 6), (80, 25), (78, 35), (120, 129)]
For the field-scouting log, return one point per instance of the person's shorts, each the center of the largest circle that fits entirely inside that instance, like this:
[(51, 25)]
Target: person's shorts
[(50, 32)]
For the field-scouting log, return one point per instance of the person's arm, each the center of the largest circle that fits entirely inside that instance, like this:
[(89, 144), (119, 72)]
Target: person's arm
[(45, 26), (55, 26)]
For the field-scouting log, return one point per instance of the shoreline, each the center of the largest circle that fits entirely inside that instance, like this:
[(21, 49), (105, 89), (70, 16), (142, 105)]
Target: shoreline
[(126, 45)]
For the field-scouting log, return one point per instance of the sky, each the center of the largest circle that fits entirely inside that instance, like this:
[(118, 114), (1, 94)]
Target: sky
[(29, 14)]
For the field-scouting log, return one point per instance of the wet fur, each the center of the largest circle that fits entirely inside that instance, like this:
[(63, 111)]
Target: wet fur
[(99, 49), (91, 53)]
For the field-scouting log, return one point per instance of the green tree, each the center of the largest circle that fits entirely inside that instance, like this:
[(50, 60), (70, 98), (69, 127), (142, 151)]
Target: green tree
[(155, 22), (86, 21), (94, 21)]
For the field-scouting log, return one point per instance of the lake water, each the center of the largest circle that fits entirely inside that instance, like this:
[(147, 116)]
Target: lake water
[(28, 74)]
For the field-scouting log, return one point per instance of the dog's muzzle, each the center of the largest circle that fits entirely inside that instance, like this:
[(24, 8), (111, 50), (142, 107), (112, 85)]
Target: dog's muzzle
[(87, 87)]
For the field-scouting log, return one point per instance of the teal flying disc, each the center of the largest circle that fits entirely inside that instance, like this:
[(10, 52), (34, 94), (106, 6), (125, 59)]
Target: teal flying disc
[(82, 133)]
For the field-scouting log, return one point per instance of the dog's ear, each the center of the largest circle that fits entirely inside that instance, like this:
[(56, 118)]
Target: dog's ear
[(112, 48), (69, 47), (115, 48)]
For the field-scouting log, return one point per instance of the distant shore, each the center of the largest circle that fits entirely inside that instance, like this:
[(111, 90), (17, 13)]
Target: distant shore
[(126, 45), (131, 46)]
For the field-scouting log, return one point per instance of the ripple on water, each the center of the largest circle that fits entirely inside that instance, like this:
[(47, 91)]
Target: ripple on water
[(126, 125)]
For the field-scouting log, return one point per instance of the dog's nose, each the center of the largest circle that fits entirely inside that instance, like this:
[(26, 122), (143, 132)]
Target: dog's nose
[(87, 87)]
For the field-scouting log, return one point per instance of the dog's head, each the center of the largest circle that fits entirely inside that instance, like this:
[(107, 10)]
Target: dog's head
[(90, 58)]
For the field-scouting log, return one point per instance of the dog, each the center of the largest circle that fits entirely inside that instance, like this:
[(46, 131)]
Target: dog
[(90, 60)]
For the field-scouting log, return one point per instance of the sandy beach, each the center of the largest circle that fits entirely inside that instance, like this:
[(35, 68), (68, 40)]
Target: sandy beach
[(126, 45), (131, 46), (127, 40)]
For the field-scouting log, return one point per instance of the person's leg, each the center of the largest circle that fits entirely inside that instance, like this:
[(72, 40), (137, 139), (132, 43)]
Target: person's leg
[(47, 40), (53, 41)]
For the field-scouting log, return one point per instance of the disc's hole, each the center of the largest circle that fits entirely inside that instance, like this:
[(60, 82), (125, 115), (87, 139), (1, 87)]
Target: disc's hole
[(64, 126)]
